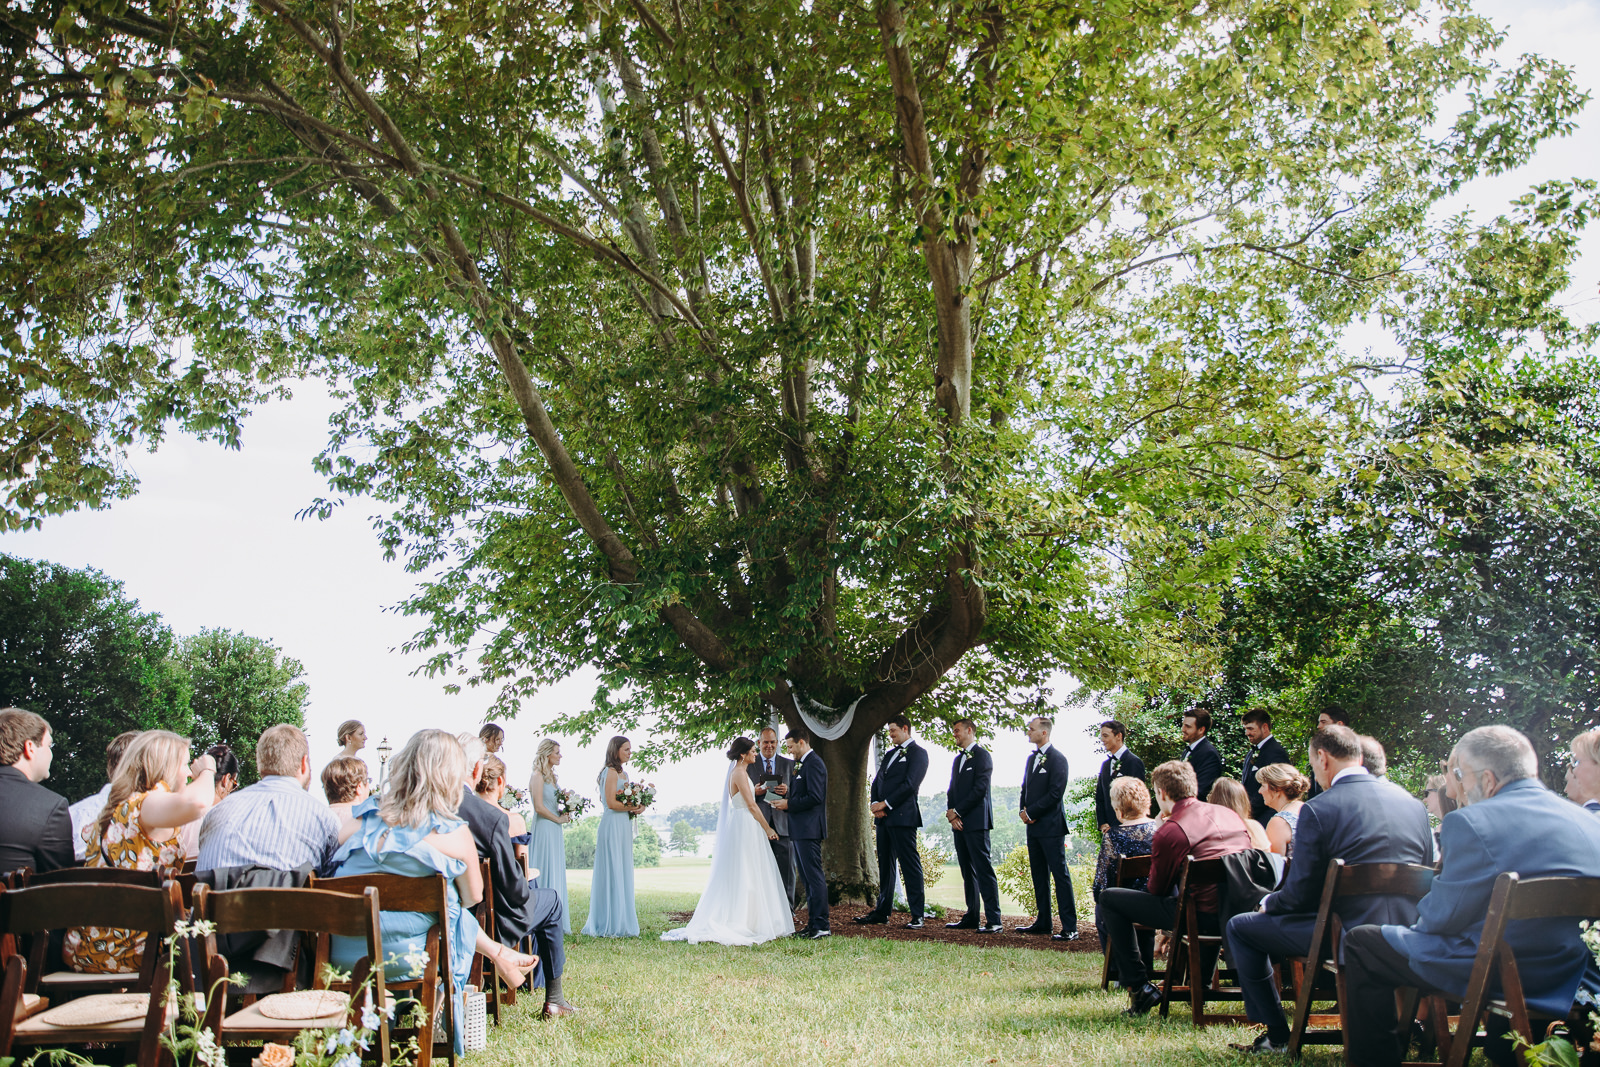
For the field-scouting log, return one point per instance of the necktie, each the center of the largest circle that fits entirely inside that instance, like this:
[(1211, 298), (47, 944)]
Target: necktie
[(769, 766)]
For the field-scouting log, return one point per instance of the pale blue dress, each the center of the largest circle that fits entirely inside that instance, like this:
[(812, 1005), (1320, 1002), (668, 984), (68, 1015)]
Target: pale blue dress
[(403, 851), (547, 853), (611, 908)]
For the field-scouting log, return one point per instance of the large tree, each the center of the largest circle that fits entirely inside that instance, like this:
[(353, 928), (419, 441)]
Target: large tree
[(239, 686), (752, 351)]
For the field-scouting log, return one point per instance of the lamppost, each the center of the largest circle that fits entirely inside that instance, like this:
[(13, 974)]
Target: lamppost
[(383, 761)]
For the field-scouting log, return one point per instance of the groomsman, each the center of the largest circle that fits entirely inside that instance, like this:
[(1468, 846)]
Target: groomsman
[(1043, 785), (1328, 716), (1200, 753), (1120, 763), (806, 803), (1265, 750), (971, 816), (771, 773), (897, 817)]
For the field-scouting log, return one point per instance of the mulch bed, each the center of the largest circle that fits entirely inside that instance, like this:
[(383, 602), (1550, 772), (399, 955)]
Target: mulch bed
[(839, 917)]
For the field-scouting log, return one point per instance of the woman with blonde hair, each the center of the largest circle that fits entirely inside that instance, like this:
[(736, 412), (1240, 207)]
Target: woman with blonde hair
[(1130, 836), (1583, 773), (1228, 793), (547, 852), (1282, 787), (415, 831), (155, 793)]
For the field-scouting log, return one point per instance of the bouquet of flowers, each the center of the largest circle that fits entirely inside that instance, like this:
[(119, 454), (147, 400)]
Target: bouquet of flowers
[(568, 802), (636, 795), (515, 799)]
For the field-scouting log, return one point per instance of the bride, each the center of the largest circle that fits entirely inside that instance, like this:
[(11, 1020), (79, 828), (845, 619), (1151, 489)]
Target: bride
[(744, 902)]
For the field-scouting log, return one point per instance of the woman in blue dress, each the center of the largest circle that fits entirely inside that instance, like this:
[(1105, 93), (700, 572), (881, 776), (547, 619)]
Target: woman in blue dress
[(414, 831), (611, 908), (547, 852)]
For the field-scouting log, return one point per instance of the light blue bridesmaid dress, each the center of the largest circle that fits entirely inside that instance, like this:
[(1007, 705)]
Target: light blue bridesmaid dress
[(611, 909), (547, 853)]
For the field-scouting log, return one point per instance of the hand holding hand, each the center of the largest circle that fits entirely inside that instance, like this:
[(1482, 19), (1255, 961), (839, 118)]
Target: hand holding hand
[(955, 823), (1024, 817)]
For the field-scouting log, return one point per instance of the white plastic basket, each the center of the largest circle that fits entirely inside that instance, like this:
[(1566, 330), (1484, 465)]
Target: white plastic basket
[(475, 1027)]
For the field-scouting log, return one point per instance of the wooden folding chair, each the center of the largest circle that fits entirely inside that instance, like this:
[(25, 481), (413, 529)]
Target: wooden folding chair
[(310, 911), (428, 894), (1129, 870), (484, 975), (96, 875), (1409, 880), (30, 914), (1189, 970), (60, 984), (1514, 899)]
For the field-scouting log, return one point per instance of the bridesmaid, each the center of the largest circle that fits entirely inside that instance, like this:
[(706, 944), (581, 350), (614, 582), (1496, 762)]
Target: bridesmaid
[(547, 852), (611, 908)]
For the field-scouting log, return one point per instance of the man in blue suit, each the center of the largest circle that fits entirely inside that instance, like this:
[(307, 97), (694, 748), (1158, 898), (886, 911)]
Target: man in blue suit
[(971, 817), (1357, 818), (896, 817), (805, 799), (1044, 782), (1511, 822)]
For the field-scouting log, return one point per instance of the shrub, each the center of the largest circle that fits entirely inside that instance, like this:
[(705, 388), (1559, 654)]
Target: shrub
[(1016, 882), (934, 856), (580, 842), (646, 845)]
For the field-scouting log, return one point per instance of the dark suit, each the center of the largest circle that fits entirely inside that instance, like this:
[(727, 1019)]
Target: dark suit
[(1262, 755), (899, 776), (520, 909), (782, 851), (1128, 766), (808, 828), (37, 830), (969, 798), (1207, 764), (1362, 819), (1524, 828), (1044, 782)]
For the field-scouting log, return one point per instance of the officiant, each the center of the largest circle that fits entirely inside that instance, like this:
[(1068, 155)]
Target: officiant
[(770, 776)]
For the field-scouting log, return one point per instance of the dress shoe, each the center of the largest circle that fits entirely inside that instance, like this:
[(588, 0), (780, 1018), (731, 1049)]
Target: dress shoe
[(962, 925), (992, 928), (1065, 935), (1141, 1000), (1263, 1044), (915, 923), (556, 1009), (1031, 928), (869, 919), (815, 935)]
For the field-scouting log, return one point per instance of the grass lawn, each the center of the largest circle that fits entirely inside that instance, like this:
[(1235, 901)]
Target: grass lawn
[(838, 1001)]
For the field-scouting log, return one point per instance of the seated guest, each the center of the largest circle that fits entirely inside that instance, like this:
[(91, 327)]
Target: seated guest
[(1373, 758), (492, 787), (1130, 836), (88, 809), (138, 831), (521, 909), (1230, 794), (1281, 789), (1508, 822), (1192, 828), (344, 783), (1357, 818), (1583, 773), (37, 829), (415, 831), (274, 823), (227, 780)]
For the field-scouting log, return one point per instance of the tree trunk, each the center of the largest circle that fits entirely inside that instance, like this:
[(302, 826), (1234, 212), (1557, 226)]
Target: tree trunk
[(848, 856)]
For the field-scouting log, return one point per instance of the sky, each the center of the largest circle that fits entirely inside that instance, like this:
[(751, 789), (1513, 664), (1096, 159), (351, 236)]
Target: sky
[(211, 538)]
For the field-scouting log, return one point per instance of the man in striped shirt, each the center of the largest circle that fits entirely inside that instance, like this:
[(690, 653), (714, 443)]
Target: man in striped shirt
[(274, 823)]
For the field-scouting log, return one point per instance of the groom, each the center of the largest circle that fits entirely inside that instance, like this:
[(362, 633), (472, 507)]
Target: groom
[(806, 802)]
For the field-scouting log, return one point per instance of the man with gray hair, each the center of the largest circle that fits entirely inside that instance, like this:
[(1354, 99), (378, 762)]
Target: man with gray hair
[(274, 823), (1510, 822)]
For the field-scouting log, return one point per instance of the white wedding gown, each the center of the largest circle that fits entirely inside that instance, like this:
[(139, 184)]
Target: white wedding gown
[(744, 902)]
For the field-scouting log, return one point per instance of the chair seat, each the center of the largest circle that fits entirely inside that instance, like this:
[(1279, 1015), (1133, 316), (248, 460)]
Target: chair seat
[(248, 1020), (71, 981), (32, 1031)]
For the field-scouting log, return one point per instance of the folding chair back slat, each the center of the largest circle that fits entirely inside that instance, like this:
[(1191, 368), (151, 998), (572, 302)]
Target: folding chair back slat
[(1188, 961), (96, 875)]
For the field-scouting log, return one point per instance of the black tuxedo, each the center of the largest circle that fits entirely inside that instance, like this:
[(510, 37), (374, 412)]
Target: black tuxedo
[(969, 793), (1265, 754), (1128, 766), (1044, 783), (520, 909), (1362, 819), (899, 776), (37, 831), (782, 849), (808, 826), (1207, 764)]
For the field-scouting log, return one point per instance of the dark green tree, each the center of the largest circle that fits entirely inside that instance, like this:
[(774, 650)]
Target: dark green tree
[(239, 686), (77, 650)]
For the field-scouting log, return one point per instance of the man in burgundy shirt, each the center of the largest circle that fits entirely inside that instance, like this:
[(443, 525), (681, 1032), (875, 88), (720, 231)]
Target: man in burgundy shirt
[(1191, 828)]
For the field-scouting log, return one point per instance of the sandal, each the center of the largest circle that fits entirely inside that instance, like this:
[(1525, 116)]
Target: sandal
[(515, 970)]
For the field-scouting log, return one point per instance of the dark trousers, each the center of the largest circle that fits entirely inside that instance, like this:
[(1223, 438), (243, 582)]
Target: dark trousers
[(1047, 856), (977, 875), (1131, 954), (1373, 970), (549, 943), (808, 861), (898, 845), (783, 852), (1253, 941)]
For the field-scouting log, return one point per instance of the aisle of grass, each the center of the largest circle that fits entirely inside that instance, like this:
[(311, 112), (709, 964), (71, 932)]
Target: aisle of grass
[(839, 1001)]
